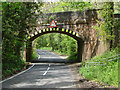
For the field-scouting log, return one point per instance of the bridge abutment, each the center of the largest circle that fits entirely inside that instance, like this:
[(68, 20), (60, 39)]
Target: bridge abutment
[(80, 50), (29, 51)]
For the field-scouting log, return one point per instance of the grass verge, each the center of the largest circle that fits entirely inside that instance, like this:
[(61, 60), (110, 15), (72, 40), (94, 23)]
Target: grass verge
[(102, 73), (46, 48)]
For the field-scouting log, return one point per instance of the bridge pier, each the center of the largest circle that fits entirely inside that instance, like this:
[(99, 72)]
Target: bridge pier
[(29, 51), (80, 44)]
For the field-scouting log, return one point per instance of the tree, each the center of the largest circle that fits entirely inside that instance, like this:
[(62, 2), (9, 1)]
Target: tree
[(61, 6), (18, 18)]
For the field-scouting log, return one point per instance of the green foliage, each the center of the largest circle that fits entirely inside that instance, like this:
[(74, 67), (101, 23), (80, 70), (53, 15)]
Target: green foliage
[(12, 66), (46, 48), (103, 73), (73, 57), (18, 18), (117, 7), (34, 54), (58, 42), (80, 6), (62, 6), (108, 26), (105, 26)]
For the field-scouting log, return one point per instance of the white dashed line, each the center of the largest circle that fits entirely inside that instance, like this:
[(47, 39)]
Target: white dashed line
[(38, 56), (47, 70)]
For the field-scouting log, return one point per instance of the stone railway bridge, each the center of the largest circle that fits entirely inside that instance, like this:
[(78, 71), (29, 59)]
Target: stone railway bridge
[(78, 25)]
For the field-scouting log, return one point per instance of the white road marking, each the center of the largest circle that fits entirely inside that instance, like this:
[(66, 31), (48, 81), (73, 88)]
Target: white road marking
[(38, 56), (47, 70), (17, 74)]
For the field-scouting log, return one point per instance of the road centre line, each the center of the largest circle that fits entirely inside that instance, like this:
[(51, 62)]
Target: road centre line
[(18, 74), (47, 70), (38, 56)]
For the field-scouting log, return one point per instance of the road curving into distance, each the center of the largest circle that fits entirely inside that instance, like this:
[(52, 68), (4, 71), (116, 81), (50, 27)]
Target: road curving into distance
[(44, 75)]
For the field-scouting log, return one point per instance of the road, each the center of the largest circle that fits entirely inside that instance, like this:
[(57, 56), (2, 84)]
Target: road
[(50, 57), (44, 75)]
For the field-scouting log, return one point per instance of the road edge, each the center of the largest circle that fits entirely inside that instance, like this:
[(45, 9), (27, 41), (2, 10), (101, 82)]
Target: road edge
[(17, 74)]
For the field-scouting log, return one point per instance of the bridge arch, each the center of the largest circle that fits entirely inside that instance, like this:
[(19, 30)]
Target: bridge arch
[(68, 32)]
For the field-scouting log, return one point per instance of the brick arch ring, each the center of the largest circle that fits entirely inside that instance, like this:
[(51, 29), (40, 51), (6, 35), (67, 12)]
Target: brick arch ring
[(68, 32)]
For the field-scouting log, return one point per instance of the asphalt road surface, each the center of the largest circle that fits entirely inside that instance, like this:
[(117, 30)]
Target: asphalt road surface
[(44, 75), (46, 56)]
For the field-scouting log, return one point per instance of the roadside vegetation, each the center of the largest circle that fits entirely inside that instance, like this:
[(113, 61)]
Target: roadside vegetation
[(17, 21), (102, 73), (46, 48), (107, 73), (34, 54)]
